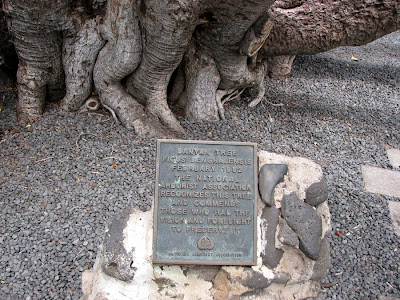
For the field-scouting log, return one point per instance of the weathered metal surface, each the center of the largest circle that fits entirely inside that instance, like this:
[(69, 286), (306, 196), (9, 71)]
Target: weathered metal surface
[(205, 203)]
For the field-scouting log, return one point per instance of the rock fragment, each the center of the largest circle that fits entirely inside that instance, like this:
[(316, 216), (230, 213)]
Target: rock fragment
[(270, 176), (286, 234), (306, 222), (317, 193), (323, 263), (270, 256)]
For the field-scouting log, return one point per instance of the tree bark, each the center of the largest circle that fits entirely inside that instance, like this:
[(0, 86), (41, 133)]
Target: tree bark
[(199, 54), (8, 56), (309, 27), (80, 51), (304, 27)]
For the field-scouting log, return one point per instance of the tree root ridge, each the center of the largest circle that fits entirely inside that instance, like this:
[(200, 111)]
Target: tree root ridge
[(119, 58), (39, 74), (126, 52), (79, 56)]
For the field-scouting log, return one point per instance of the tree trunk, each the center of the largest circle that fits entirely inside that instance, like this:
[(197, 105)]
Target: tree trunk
[(309, 27), (143, 55), (8, 56)]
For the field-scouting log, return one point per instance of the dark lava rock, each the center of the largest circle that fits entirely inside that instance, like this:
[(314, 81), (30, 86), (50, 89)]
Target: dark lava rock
[(270, 176), (306, 222), (116, 261), (317, 193), (203, 272), (286, 234), (256, 280), (323, 263), (271, 256)]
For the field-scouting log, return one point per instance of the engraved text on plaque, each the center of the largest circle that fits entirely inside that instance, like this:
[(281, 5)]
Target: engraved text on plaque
[(205, 203)]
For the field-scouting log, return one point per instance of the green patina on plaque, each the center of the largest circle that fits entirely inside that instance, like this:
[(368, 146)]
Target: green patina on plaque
[(205, 203)]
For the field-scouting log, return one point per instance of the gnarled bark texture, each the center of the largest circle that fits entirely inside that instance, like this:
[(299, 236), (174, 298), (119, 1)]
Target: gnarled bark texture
[(141, 56), (309, 27)]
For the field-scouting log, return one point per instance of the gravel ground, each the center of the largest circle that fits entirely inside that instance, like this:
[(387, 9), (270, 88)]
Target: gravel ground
[(64, 178)]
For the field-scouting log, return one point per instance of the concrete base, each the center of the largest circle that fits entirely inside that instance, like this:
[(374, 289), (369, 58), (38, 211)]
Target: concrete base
[(300, 262)]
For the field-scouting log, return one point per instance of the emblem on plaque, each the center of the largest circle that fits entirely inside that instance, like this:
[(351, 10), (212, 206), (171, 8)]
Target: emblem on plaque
[(205, 243)]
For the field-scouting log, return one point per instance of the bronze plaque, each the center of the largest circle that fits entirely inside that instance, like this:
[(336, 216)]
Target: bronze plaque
[(205, 203)]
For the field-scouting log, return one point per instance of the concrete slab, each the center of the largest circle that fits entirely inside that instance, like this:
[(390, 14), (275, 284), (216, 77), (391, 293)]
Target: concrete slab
[(381, 181), (394, 208), (381, 297), (394, 157)]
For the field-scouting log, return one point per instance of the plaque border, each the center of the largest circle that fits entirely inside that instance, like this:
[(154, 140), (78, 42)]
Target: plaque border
[(155, 207)]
